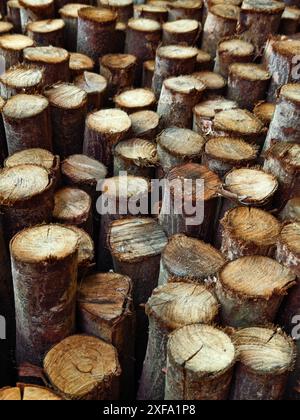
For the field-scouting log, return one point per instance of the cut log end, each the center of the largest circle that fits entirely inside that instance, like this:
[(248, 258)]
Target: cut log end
[(144, 124), (290, 236), (231, 150), (15, 42), (83, 170), (70, 10), (22, 77), (181, 142), (177, 52), (135, 100), (137, 151), (264, 111), (46, 26), (80, 63), (213, 82), (144, 25), (46, 55), (102, 16), (249, 72), (72, 206), (184, 85), (5, 27), (118, 61), (291, 92), (66, 96), (109, 121), (236, 47), (24, 106), (36, 156), (27, 392)]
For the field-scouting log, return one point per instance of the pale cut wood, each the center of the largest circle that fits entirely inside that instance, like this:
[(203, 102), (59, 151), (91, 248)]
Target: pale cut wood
[(123, 8), (95, 86), (208, 3), (33, 10), (79, 63), (14, 14), (151, 11), (47, 32), (12, 47), (291, 210), (28, 392), (185, 9), (134, 100), (5, 27), (83, 368), (265, 112), (21, 78), (215, 84), (184, 31), (69, 13), (145, 125)]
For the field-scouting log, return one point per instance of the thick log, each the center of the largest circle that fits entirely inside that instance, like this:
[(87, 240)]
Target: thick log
[(171, 61), (230, 51), (95, 86), (137, 157), (119, 71), (148, 72), (27, 123), (123, 8), (12, 47), (204, 61), (200, 364), (86, 252), (6, 27), (178, 97), (14, 14), (145, 125), (289, 24), (33, 10), (220, 23), (204, 114), (69, 13), (184, 206), (54, 61), (285, 125), (209, 3), (247, 84), (189, 260), (134, 100), (171, 306), (249, 231), (105, 311), (291, 210), (176, 146), (222, 154), (186, 9), (182, 32), (68, 106), (104, 129), (96, 31), (266, 358), (79, 63), (28, 392), (258, 20), (46, 252), (151, 11), (83, 368), (73, 206), (246, 303), (20, 79), (215, 83), (265, 112), (47, 32)]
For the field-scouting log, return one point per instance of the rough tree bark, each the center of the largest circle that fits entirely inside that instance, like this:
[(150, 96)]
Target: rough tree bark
[(47, 32), (134, 100), (291, 210), (95, 86), (185, 10), (145, 125), (69, 13), (14, 14), (148, 72), (289, 24), (12, 47), (20, 79)]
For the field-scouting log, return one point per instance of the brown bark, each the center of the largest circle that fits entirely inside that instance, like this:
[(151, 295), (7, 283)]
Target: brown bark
[(148, 72), (197, 369), (95, 87), (151, 11), (33, 11), (215, 83), (204, 61), (289, 24), (182, 32), (145, 125), (94, 377), (20, 79), (14, 14), (69, 13), (123, 8), (80, 63), (47, 32), (12, 47), (46, 252), (185, 10), (105, 311)]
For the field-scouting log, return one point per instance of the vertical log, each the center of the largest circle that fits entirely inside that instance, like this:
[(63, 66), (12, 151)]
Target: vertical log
[(12, 47), (171, 306), (289, 24), (47, 32), (215, 84), (68, 105), (103, 130), (265, 112), (249, 231), (266, 358), (79, 63), (84, 368), (184, 32), (204, 61), (94, 85), (178, 97), (148, 72), (14, 14), (6, 27), (47, 253), (27, 123), (120, 35), (134, 100), (209, 3), (200, 364), (20, 79), (185, 10), (54, 61), (291, 210), (151, 11), (69, 13), (33, 10), (105, 311), (145, 125), (96, 31), (86, 252), (123, 8)]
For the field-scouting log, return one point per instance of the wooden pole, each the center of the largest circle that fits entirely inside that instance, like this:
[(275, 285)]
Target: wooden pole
[(265, 112), (96, 31), (185, 10), (185, 32), (289, 24), (105, 311), (134, 100), (69, 13), (145, 125), (171, 61), (104, 129), (12, 47), (230, 51), (27, 123), (33, 10), (48, 252), (148, 72), (92, 377), (151, 11), (27, 392), (54, 61), (266, 358), (249, 231), (204, 61), (95, 87), (200, 364), (215, 83), (79, 63), (178, 97), (171, 306), (47, 32), (14, 14), (123, 8), (247, 84), (20, 79)]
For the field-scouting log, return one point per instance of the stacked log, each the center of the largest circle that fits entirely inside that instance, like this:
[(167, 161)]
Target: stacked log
[(215, 84), (47, 32), (145, 125), (12, 47), (79, 63), (69, 13), (14, 14), (185, 32), (151, 11), (134, 100), (20, 79), (33, 10), (185, 10), (94, 85), (27, 392), (265, 112)]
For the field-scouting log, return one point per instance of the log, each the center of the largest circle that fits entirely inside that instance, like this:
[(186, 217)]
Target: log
[(73, 206), (145, 125), (184, 205), (204, 61), (148, 72), (27, 123), (47, 32), (105, 311), (54, 61), (176, 146), (247, 303), (189, 260), (214, 83), (69, 13), (291, 210), (134, 100), (96, 31), (6, 27), (230, 51), (20, 79), (171, 61), (83, 368), (123, 8), (12, 47), (137, 157), (171, 306), (220, 23), (119, 71), (33, 10), (28, 392), (151, 11), (285, 126), (289, 24), (222, 154), (204, 114), (249, 231), (265, 112), (182, 32), (104, 129), (266, 358), (209, 3), (178, 97), (200, 364), (120, 35), (14, 14), (247, 84), (79, 63), (45, 310), (68, 105), (86, 252), (142, 39), (258, 20), (95, 86), (186, 9)]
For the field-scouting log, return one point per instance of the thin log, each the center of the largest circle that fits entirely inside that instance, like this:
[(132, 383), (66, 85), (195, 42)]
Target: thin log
[(14, 14), (134, 100), (79, 63), (47, 32), (186, 9), (289, 24), (184, 32), (145, 125), (69, 13), (12, 47), (151, 11), (20, 79), (33, 10), (95, 86), (209, 3), (148, 72), (204, 61), (123, 8), (215, 83), (265, 112)]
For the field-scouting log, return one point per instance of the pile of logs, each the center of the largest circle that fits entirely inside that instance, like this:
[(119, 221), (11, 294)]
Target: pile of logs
[(112, 287)]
